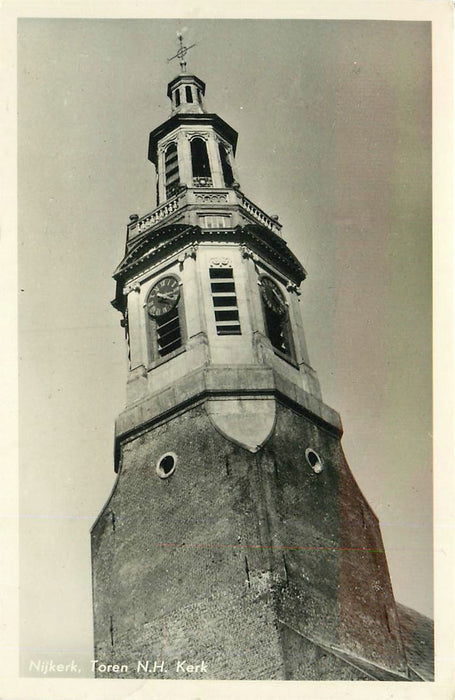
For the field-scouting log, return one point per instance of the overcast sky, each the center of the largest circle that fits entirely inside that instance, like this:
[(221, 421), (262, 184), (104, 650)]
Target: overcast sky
[(334, 122)]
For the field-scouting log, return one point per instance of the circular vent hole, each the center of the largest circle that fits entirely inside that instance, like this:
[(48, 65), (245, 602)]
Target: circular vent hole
[(166, 465), (313, 460)]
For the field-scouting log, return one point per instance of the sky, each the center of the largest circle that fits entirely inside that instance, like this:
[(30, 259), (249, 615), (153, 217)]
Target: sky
[(334, 122)]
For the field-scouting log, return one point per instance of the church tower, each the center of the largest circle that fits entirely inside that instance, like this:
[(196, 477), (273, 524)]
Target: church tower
[(236, 543)]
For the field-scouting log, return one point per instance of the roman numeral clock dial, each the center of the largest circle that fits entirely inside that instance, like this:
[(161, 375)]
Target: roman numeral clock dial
[(273, 297), (163, 297)]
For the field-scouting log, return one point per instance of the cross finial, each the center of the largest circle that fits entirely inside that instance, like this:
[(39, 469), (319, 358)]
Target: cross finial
[(181, 53)]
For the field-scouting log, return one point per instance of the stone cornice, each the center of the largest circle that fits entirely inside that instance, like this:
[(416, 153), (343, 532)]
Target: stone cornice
[(198, 120), (185, 79), (155, 245), (218, 382)]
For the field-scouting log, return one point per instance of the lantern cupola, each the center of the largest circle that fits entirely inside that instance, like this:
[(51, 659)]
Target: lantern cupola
[(186, 93)]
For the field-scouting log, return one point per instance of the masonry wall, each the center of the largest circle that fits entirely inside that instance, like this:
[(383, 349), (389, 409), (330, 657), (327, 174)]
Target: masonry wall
[(214, 562)]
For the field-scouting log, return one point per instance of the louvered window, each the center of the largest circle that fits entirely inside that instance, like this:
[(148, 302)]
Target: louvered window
[(171, 168), (168, 333), (224, 301)]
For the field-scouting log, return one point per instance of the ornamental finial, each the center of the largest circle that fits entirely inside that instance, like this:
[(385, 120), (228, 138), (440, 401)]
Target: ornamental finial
[(181, 53)]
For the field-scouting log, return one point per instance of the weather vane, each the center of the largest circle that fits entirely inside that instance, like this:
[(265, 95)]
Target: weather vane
[(181, 53)]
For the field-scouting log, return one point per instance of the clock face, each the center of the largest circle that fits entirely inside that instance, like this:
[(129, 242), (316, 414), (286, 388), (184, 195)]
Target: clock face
[(163, 297), (272, 296)]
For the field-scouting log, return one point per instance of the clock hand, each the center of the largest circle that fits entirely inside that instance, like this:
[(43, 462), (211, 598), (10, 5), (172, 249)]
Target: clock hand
[(277, 296), (161, 295)]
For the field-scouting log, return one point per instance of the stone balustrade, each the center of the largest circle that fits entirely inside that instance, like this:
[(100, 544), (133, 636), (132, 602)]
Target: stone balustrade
[(259, 215), (201, 196), (158, 214)]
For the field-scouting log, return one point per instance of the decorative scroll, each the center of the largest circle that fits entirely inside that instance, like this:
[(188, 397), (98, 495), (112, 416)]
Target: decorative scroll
[(188, 253), (291, 287), (133, 287), (165, 144), (202, 182), (190, 135), (220, 262), (247, 253)]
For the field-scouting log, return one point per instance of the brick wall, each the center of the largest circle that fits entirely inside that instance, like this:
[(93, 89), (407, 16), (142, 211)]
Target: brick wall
[(209, 564)]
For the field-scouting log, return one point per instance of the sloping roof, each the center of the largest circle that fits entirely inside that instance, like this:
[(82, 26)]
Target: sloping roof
[(315, 660), (418, 638), (417, 635)]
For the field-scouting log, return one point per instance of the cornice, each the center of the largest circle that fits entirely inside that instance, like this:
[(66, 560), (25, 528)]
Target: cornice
[(155, 244), (198, 120), (152, 243), (185, 79), (221, 382)]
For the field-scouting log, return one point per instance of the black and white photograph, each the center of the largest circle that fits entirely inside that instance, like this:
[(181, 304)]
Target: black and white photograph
[(227, 247)]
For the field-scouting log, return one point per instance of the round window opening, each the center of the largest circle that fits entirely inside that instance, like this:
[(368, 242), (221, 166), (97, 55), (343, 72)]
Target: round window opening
[(313, 460), (166, 465)]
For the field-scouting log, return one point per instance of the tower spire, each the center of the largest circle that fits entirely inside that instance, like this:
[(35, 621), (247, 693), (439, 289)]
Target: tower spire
[(181, 53), (225, 428)]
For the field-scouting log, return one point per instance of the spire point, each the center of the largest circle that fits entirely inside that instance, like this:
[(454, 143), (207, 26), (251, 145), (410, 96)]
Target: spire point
[(181, 53)]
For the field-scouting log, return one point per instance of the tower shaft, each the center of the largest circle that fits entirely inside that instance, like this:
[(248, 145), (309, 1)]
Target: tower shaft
[(236, 543)]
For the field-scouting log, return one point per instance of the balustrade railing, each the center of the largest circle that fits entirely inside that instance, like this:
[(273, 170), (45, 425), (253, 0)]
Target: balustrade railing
[(204, 196), (260, 215), (158, 215)]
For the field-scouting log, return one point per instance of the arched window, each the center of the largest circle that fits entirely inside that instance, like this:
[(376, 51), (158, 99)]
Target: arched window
[(276, 316), (228, 175), (164, 306), (189, 93), (200, 161), (171, 169), (177, 98)]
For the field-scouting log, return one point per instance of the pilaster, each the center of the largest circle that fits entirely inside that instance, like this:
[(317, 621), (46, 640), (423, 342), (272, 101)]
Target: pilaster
[(161, 176), (214, 158), (184, 154), (135, 326)]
